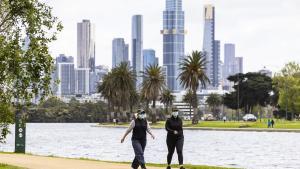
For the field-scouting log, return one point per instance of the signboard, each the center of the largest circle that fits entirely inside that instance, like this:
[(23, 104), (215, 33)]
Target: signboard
[(20, 133)]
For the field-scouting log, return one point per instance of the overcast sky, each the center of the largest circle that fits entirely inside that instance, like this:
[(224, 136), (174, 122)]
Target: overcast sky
[(266, 32)]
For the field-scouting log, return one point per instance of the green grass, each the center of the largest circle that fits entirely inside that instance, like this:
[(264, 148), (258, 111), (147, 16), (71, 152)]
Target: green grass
[(279, 124), (4, 166)]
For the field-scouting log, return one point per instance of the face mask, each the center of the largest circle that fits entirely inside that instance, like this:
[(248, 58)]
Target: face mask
[(142, 116), (175, 114)]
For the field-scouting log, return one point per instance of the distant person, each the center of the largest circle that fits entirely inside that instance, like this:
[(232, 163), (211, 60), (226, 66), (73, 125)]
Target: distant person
[(140, 128), (117, 121), (272, 123), (114, 121), (175, 138), (269, 123), (224, 119)]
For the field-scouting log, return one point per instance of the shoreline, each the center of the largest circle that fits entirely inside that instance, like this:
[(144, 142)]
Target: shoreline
[(215, 129), (30, 161)]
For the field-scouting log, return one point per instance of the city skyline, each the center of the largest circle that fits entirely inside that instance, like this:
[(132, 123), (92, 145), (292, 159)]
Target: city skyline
[(243, 24)]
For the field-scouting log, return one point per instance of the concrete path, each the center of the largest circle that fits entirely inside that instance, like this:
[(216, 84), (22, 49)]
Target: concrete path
[(39, 162)]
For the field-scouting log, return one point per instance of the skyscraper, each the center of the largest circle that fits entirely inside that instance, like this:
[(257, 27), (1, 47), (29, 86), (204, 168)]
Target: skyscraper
[(137, 46), (65, 73), (211, 47), (86, 45), (149, 57), (119, 52), (173, 41), (82, 81)]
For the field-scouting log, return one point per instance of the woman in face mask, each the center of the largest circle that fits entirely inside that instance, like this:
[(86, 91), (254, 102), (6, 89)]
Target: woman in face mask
[(175, 138), (140, 128)]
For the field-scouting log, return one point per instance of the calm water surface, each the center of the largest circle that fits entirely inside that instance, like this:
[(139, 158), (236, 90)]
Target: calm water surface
[(250, 150)]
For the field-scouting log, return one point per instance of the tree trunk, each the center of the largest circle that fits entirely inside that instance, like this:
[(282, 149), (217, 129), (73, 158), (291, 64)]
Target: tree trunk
[(195, 107), (153, 113), (190, 111)]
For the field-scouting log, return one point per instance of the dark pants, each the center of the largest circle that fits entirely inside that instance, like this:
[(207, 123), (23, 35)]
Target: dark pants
[(172, 143), (139, 148)]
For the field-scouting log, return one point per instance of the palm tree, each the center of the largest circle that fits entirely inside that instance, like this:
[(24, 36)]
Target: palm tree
[(167, 99), (134, 99), (117, 86), (189, 98), (213, 101), (193, 75), (152, 86)]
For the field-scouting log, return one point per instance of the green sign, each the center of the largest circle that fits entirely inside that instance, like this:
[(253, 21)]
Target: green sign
[(20, 133)]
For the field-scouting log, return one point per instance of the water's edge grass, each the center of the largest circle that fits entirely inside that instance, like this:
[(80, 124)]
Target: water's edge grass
[(5, 166), (187, 166)]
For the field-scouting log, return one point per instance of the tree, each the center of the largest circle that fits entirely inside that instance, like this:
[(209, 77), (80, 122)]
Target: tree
[(191, 99), (193, 76), (26, 29), (118, 86), (167, 99), (153, 85), (250, 90), (287, 82), (214, 101)]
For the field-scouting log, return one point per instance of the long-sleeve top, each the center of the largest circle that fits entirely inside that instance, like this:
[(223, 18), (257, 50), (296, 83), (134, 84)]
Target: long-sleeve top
[(139, 128), (174, 124)]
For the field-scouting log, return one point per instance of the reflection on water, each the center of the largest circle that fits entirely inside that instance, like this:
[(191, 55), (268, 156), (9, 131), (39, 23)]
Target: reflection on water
[(251, 150)]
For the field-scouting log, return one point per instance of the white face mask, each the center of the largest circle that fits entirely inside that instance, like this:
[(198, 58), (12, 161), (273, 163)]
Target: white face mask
[(175, 114), (142, 116)]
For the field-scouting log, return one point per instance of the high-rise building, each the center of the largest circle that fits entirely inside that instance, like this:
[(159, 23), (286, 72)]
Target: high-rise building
[(137, 47), (86, 45), (65, 74), (119, 52), (173, 42), (82, 81), (149, 57), (232, 65), (211, 47)]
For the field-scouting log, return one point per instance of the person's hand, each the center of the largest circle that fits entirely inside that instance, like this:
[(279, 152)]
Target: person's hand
[(175, 132), (122, 140), (153, 137)]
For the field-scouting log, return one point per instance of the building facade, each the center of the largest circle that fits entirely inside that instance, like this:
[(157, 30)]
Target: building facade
[(119, 52), (86, 45), (211, 47), (82, 81), (137, 47), (173, 42), (65, 74), (149, 58)]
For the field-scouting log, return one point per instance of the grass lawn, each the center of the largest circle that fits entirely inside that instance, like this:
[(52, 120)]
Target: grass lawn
[(4, 166), (279, 124)]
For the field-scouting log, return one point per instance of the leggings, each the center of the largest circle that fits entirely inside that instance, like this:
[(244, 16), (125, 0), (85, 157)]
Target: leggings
[(172, 143)]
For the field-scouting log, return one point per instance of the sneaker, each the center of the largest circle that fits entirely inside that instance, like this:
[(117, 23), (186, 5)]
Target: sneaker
[(182, 167), (143, 166), (169, 167)]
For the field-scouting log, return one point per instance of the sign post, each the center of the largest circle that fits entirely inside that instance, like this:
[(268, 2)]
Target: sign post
[(20, 133)]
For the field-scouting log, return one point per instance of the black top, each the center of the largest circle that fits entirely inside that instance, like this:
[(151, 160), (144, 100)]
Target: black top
[(139, 130), (173, 124)]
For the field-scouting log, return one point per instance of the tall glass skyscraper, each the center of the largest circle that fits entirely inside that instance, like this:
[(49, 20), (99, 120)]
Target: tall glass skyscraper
[(86, 45), (149, 57), (137, 46), (119, 52), (211, 47), (173, 41)]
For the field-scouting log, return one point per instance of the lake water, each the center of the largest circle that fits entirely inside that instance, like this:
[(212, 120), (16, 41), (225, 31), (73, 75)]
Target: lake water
[(250, 150)]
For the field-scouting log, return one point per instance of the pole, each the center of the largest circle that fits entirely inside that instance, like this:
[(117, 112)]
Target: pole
[(286, 102)]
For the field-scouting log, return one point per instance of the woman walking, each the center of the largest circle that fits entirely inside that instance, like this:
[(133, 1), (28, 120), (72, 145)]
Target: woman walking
[(140, 128), (175, 138)]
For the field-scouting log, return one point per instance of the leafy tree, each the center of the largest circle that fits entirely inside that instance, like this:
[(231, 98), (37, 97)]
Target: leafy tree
[(214, 101), (288, 84), (26, 29), (167, 99), (153, 85), (193, 75), (250, 90)]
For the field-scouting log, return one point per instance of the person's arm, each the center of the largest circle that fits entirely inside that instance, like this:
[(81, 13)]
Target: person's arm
[(150, 131), (130, 128)]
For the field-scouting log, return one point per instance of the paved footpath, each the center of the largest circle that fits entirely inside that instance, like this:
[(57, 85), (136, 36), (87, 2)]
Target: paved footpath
[(39, 162)]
